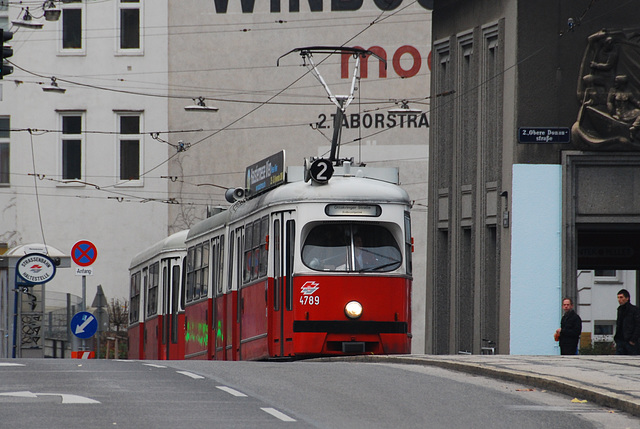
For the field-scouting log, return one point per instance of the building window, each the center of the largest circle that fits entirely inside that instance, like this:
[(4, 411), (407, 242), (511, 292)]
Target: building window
[(130, 26), (606, 276), (129, 147), (72, 27), (4, 14), (4, 150), (72, 143)]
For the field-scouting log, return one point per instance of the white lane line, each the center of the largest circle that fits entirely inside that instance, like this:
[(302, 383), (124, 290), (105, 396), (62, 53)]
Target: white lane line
[(11, 364), (154, 365), (231, 391), (190, 374), (277, 414)]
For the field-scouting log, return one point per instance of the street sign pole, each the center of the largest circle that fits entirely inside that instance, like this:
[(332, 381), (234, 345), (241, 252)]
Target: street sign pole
[(84, 253), (31, 270), (83, 307)]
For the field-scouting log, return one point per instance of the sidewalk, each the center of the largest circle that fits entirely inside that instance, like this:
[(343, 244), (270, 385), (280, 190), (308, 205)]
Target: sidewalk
[(611, 381)]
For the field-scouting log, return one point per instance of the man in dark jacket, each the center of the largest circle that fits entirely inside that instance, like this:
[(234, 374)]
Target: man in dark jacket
[(627, 326), (570, 329)]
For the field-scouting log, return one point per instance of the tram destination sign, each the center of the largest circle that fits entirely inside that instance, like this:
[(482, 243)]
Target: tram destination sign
[(544, 135), (265, 174)]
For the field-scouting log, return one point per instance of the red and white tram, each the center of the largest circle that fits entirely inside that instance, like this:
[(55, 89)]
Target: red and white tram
[(156, 312), (304, 269)]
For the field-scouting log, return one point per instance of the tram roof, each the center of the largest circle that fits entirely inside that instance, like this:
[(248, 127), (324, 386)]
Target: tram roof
[(338, 189), (171, 243)]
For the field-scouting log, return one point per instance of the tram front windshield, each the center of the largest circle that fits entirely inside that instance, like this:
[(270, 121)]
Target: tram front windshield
[(351, 247)]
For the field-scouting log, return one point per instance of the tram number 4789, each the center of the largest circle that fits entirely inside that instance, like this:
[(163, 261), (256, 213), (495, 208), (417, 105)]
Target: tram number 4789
[(310, 300)]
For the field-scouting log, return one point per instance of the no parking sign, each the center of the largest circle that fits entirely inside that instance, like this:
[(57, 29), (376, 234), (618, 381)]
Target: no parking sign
[(84, 253)]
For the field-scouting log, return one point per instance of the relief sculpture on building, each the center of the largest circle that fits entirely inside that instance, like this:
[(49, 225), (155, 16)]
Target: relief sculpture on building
[(609, 92)]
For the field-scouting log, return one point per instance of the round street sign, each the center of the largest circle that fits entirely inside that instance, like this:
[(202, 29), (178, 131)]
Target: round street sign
[(84, 325), (84, 253), (36, 268)]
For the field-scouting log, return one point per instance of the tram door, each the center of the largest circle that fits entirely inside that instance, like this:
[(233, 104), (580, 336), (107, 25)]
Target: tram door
[(171, 299), (283, 241)]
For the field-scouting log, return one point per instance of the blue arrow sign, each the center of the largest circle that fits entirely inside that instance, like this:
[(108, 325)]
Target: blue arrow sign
[(84, 325)]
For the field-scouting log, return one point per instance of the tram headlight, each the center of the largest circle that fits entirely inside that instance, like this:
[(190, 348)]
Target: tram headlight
[(353, 309)]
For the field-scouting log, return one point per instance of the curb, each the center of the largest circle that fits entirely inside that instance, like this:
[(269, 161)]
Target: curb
[(593, 394)]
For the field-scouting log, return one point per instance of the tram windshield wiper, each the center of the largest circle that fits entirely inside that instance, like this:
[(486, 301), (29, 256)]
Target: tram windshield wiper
[(379, 267)]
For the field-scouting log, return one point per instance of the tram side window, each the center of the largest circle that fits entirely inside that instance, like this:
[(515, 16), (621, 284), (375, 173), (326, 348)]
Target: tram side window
[(277, 284), (134, 300), (248, 253), (407, 242), (152, 300), (220, 264), (351, 247), (230, 271), (190, 275), (264, 229), (217, 252), (204, 270), (255, 250), (197, 265), (214, 264), (197, 271), (255, 245)]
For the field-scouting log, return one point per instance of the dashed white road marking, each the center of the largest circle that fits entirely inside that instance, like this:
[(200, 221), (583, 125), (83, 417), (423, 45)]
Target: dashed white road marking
[(277, 414), (154, 365), (190, 374), (11, 364), (231, 391)]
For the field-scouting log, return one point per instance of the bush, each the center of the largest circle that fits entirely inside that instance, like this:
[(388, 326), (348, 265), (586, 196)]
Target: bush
[(599, 348)]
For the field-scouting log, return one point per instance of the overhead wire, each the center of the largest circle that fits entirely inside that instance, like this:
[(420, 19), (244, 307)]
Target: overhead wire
[(528, 57), (230, 125), (250, 112)]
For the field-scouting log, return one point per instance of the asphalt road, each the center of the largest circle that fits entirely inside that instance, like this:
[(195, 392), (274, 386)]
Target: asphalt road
[(193, 394)]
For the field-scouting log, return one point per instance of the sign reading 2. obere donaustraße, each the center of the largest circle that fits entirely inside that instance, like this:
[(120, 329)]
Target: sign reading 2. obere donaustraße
[(36, 268), (544, 135)]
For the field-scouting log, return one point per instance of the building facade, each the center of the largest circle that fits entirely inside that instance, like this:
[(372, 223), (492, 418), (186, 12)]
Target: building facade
[(533, 176), (75, 164)]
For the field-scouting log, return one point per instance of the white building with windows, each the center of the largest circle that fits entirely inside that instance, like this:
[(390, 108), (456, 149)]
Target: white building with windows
[(597, 301), (77, 160)]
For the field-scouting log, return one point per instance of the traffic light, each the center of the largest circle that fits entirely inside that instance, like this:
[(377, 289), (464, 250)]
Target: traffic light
[(7, 51)]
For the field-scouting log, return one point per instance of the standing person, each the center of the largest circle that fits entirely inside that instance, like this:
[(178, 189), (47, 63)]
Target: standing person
[(627, 326), (568, 334)]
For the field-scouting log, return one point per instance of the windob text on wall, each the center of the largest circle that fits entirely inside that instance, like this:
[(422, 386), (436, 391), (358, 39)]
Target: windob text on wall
[(275, 6)]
